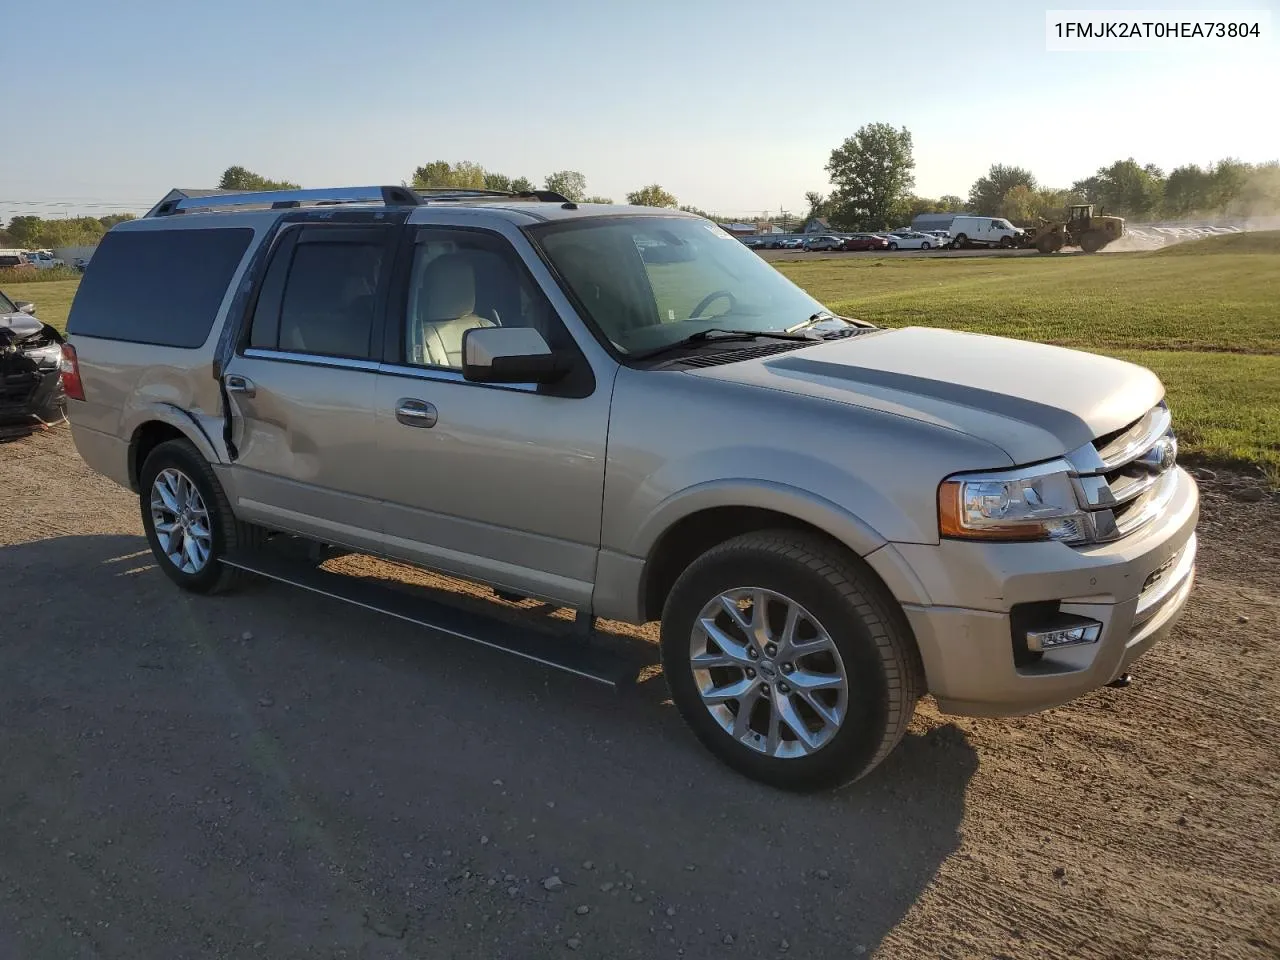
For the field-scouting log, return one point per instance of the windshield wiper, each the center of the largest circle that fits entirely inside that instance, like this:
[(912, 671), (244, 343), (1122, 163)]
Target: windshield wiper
[(813, 320), (717, 335)]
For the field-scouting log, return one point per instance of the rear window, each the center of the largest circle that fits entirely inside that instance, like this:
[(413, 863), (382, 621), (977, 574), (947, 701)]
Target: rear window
[(162, 287)]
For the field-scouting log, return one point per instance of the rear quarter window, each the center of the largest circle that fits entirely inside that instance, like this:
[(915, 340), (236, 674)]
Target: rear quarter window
[(161, 287)]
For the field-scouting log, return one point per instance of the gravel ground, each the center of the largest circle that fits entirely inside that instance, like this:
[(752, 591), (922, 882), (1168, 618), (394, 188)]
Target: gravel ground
[(269, 774)]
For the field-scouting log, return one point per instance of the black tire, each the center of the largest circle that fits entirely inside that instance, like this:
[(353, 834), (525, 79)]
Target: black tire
[(925, 245), (869, 630), (893, 246), (1091, 243), (226, 533), (960, 241)]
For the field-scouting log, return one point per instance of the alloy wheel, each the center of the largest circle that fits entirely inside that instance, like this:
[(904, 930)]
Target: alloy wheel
[(181, 521), (768, 672)]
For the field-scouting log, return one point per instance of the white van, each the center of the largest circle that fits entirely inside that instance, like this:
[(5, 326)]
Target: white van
[(984, 232)]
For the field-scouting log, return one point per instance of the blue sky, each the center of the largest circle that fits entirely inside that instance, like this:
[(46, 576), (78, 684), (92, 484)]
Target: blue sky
[(733, 105)]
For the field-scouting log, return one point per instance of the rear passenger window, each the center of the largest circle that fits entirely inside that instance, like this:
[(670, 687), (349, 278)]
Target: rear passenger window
[(161, 287), (320, 295)]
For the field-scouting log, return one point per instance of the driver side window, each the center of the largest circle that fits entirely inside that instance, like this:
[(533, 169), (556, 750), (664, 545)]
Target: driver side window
[(462, 280)]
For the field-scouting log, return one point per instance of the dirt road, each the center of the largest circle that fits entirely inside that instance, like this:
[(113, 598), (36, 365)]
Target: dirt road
[(272, 775)]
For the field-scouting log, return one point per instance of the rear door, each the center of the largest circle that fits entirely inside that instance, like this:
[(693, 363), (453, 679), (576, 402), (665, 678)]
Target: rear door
[(301, 384)]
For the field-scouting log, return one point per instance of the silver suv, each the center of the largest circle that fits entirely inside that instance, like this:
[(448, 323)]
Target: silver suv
[(625, 412)]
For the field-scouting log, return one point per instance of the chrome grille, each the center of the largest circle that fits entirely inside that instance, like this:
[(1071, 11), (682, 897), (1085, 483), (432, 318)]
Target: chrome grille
[(1125, 479)]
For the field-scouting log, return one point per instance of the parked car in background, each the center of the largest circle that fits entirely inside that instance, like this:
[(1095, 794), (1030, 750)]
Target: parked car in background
[(911, 241), (864, 241), (14, 260), (984, 232), (823, 241), (794, 243), (44, 260), (751, 243), (944, 238)]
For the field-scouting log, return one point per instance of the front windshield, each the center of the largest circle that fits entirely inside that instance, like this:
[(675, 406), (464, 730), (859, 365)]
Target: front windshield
[(650, 281)]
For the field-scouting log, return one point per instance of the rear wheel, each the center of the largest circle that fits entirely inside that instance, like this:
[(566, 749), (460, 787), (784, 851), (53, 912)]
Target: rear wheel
[(893, 246), (1091, 242), (188, 520), (1045, 244), (788, 661), (959, 241), (925, 245)]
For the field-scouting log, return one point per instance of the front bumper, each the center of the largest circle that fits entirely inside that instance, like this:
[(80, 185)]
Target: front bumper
[(29, 392), (1135, 587)]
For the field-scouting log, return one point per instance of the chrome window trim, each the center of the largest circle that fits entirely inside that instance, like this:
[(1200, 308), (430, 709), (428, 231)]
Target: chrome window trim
[(448, 375), (313, 359)]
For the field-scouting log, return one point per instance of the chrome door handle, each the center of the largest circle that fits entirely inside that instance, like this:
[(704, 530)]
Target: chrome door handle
[(415, 413), (242, 385)]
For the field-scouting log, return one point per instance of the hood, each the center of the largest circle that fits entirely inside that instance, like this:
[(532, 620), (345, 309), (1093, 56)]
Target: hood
[(22, 325), (1033, 401)]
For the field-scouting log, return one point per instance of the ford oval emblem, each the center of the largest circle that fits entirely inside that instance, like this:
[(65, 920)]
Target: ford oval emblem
[(1162, 455)]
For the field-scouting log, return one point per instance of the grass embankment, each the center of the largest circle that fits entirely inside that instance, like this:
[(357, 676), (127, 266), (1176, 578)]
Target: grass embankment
[(1208, 325)]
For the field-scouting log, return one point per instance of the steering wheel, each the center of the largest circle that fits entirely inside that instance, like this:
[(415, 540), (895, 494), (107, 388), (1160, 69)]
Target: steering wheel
[(711, 298)]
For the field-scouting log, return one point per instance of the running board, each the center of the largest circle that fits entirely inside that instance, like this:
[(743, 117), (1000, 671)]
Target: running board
[(572, 654)]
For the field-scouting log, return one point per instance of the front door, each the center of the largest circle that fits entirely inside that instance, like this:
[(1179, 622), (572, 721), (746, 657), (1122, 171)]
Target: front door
[(501, 484), (302, 387)]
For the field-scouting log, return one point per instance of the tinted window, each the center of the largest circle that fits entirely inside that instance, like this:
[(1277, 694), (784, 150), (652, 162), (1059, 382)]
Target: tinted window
[(157, 286), (462, 280), (330, 298)]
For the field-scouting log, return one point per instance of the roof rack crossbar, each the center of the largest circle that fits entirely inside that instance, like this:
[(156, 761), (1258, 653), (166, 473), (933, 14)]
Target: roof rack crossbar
[(278, 199)]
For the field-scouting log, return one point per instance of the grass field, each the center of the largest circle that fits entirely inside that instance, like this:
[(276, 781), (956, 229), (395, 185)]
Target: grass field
[(1204, 315)]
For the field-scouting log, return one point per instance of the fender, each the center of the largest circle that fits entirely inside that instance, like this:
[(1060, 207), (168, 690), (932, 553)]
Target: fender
[(185, 422), (854, 532)]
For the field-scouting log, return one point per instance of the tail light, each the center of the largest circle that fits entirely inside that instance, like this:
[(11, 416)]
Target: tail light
[(70, 373)]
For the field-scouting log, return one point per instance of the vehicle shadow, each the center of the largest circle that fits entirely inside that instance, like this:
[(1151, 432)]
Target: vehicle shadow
[(274, 770)]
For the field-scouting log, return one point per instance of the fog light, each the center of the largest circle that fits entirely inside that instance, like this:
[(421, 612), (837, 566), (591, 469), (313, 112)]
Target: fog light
[(1064, 635)]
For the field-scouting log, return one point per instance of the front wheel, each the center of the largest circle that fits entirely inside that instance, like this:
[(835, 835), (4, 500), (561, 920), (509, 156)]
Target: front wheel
[(188, 519), (925, 245), (893, 246), (789, 661)]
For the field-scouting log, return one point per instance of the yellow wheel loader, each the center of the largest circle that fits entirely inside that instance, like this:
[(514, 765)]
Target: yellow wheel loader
[(1082, 229)]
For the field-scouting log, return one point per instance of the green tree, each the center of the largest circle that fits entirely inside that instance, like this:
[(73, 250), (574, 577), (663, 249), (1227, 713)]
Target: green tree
[(598, 199), (568, 183), (497, 181), (1187, 190), (1124, 188), (950, 203), (111, 220), (521, 185), (651, 196), (988, 193), (698, 212), (70, 232), (818, 206), (25, 231), (872, 173), (463, 175), (238, 178)]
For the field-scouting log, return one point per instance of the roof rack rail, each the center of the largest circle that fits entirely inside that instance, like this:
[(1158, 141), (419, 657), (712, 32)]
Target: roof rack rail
[(449, 193), (278, 199)]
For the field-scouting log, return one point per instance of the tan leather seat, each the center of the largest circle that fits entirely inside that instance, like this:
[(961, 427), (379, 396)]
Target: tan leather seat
[(446, 309)]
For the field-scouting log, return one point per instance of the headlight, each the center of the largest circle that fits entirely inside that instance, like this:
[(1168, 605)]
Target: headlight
[(1030, 503)]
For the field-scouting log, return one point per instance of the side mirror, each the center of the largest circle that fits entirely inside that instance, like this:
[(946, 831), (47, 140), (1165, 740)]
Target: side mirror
[(510, 355), (25, 306)]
